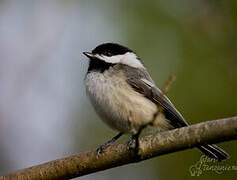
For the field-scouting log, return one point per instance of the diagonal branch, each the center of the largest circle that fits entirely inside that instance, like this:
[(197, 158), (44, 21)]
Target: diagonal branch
[(116, 155)]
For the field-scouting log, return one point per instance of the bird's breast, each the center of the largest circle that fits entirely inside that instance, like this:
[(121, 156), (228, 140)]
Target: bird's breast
[(117, 103)]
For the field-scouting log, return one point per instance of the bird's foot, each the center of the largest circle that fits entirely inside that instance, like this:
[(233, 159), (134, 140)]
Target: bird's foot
[(133, 144), (100, 149)]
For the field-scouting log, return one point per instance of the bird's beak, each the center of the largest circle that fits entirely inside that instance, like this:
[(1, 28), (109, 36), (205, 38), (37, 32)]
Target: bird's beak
[(88, 54)]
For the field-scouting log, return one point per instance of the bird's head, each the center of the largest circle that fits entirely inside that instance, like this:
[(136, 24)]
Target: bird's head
[(110, 54)]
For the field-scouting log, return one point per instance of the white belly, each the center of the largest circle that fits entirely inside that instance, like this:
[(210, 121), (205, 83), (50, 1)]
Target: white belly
[(117, 103)]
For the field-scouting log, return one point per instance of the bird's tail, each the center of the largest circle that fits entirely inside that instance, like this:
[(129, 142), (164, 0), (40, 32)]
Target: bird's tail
[(214, 151)]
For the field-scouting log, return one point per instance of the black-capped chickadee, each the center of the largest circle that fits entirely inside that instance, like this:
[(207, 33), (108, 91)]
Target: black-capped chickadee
[(126, 98)]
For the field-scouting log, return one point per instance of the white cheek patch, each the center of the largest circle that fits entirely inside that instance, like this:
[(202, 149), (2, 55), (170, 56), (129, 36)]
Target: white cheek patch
[(112, 59), (129, 59)]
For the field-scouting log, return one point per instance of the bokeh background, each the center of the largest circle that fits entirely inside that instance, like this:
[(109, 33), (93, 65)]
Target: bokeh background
[(44, 112)]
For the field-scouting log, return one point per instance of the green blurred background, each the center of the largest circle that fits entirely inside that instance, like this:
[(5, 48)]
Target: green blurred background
[(45, 103)]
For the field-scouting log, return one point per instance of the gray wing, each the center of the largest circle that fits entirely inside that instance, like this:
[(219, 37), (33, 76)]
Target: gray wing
[(142, 83)]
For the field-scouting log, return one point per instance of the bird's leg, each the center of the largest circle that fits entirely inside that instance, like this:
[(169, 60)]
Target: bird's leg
[(111, 141), (137, 143), (135, 138)]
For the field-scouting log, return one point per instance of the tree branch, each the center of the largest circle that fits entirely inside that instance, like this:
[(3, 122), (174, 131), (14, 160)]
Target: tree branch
[(116, 155)]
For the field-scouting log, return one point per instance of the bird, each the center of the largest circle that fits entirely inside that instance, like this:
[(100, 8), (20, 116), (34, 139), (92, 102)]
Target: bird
[(126, 98)]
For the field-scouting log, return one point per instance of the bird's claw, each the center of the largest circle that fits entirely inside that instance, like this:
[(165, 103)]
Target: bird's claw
[(131, 143), (100, 149)]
